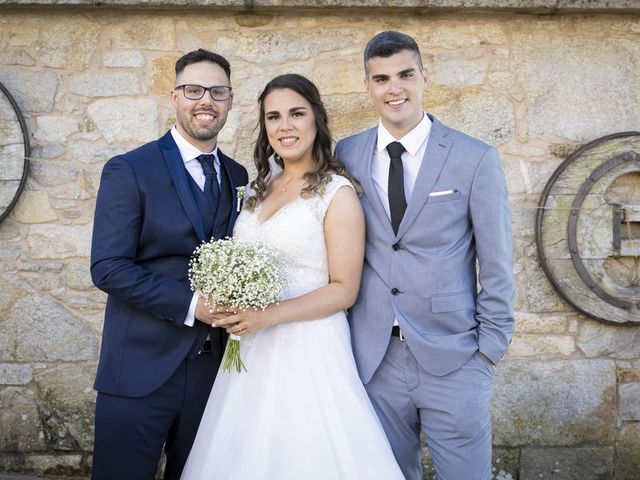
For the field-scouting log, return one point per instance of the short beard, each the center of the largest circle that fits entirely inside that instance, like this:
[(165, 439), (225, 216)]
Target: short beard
[(203, 134)]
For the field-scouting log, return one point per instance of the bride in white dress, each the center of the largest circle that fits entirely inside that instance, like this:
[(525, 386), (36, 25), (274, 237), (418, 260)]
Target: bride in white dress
[(299, 412)]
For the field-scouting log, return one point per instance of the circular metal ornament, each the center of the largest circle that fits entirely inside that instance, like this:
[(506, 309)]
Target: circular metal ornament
[(588, 229), (14, 152)]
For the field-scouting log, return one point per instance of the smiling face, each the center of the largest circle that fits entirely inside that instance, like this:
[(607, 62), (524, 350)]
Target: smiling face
[(396, 85), (200, 121), (290, 125)]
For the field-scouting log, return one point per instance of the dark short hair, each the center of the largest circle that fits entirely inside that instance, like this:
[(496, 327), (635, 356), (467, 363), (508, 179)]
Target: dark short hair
[(388, 43), (202, 55)]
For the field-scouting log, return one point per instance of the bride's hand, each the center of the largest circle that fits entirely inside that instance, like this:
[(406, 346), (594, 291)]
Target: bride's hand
[(245, 321)]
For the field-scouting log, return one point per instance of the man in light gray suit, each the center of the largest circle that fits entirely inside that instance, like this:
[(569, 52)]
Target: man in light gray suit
[(425, 335)]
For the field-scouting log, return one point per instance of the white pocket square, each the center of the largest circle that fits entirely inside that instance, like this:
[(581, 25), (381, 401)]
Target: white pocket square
[(443, 192)]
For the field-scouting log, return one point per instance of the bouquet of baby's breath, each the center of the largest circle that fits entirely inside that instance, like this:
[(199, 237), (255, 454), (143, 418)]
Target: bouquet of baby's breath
[(240, 275)]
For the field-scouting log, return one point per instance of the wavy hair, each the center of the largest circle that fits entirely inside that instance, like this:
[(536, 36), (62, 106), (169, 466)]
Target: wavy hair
[(324, 160)]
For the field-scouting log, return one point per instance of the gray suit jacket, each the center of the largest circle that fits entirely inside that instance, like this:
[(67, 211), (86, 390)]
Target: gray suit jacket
[(425, 276)]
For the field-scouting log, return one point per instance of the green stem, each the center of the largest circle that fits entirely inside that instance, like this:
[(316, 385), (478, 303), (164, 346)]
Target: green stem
[(232, 357)]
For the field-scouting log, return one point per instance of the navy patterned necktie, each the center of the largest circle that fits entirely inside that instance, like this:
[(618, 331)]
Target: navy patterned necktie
[(397, 199), (211, 186)]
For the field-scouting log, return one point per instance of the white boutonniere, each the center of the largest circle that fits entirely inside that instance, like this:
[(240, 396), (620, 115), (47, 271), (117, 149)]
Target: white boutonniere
[(240, 191)]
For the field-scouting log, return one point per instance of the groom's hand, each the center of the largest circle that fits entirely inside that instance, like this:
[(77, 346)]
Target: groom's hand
[(210, 314)]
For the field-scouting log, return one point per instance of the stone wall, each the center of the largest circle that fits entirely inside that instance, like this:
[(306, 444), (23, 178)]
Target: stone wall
[(94, 82)]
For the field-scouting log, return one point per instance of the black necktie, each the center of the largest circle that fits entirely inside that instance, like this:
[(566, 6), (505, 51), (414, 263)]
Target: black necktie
[(397, 200), (211, 186)]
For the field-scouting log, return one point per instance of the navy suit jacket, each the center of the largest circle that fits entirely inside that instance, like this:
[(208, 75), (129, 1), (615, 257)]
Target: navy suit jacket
[(146, 227)]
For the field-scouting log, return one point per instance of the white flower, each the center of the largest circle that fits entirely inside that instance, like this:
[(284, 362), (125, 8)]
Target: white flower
[(242, 275)]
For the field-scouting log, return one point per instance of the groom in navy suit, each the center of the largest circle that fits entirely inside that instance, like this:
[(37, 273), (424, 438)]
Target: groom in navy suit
[(159, 354)]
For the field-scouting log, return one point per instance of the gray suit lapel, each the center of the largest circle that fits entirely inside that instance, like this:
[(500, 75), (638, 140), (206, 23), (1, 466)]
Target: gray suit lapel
[(366, 180), (435, 156)]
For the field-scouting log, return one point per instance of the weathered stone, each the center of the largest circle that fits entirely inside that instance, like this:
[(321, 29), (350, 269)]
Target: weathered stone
[(45, 281), (525, 176), (145, 33), (349, 114), (535, 345), (576, 407), (33, 91), (230, 131), (598, 339), (124, 59), (105, 84), (59, 336), (81, 301), (13, 288), (629, 401), (563, 150), (278, 47), (252, 20), (627, 460), (34, 207), (250, 80), (163, 75), (16, 57), (69, 43), (501, 80), (460, 69), (505, 464), (19, 32), (48, 152), (530, 323), (484, 115), (10, 229), (21, 427), (188, 42), (448, 34), (628, 374), (564, 86), (55, 128), (89, 152), (58, 463), (125, 120), (67, 404), (51, 173), (541, 295), (11, 252), (15, 374), (77, 275), (59, 241), (350, 80), (567, 463)]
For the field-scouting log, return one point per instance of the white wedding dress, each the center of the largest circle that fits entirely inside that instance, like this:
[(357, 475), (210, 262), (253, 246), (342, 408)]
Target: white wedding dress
[(300, 411)]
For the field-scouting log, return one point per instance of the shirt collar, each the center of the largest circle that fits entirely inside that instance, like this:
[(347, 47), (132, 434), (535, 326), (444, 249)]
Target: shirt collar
[(411, 141), (188, 151)]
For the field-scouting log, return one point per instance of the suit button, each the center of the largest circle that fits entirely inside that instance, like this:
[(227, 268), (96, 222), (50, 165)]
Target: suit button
[(395, 291), (396, 247)]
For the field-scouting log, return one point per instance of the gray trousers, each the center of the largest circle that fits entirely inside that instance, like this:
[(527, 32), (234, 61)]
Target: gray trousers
[(453, 411)]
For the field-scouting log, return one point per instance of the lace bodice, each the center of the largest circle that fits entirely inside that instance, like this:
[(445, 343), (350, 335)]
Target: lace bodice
[(297, 230)]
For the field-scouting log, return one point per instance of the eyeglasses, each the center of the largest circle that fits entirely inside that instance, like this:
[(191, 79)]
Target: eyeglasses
[(196, 92)]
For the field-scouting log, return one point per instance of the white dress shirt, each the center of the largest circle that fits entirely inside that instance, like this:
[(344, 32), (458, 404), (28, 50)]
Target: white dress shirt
[(189, 155), (415, 145)]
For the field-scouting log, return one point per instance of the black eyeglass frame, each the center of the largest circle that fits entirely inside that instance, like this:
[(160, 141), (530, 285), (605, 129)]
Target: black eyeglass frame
[(205, 90)]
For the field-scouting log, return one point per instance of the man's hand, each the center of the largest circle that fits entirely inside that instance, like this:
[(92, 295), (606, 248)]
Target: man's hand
[(210, 313)]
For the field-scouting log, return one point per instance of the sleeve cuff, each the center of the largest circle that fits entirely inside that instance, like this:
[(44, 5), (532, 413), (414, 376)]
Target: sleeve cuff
[(191, 314)]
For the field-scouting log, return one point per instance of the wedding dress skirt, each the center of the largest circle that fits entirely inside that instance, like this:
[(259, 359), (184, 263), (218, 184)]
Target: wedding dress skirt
[(300, 411)]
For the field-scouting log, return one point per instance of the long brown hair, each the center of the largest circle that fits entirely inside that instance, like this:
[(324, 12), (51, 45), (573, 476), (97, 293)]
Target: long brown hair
[(325, 163)]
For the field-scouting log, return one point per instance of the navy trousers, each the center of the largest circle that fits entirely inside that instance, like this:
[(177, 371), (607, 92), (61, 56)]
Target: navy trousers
[(131, 432)]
